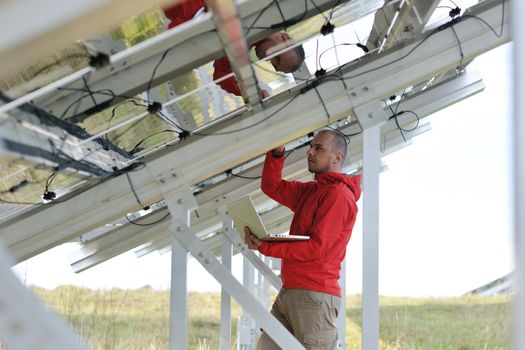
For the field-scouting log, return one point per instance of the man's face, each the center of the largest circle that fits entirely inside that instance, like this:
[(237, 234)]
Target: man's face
[(285, 62), (321, 156)]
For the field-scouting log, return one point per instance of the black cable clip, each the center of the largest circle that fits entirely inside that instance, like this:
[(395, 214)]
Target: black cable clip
[(362, 47), (327, 28), (184, 134), (154, 107), (454, 12), (99, 61), (320, 73), (49, 195)]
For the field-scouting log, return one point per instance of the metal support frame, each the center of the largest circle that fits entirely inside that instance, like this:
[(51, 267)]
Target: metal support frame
[(399, 20), (303, 115), (24, 322), (191, 45), (298, 118), (226, 317), (178, 297), (234, 238), (125, 237), (518, 29), (30, 30), (231, 33), (371, 170), (181, 202)]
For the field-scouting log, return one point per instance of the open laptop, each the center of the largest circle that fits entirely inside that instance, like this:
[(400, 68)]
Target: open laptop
[(243, 213)]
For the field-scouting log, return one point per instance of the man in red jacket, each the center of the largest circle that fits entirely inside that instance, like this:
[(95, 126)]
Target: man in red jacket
[(287, 62), (324, 209)]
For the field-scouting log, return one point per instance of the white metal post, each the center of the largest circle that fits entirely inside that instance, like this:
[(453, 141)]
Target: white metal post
[(225, 342), (180, 203), (245, 335), (518, 30), (371, 169), (341, 319), (179, 297), (24, 322)]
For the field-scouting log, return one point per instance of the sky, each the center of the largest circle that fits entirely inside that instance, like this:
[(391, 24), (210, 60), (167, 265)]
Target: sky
[(445, 211)]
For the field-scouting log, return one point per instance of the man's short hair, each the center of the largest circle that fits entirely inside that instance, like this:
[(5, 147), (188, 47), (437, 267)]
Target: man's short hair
[(339, 142), (299, 51)]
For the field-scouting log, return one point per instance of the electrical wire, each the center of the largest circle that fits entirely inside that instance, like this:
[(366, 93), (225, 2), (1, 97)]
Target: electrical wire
[(487, 24), (250, 126), (155, 71), (134, 192), (319, 10), (136, 147), (361, 46), (459, 46), (148, 224)]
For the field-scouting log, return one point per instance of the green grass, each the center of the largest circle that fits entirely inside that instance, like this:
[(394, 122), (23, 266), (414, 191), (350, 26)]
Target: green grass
[(138, 319)]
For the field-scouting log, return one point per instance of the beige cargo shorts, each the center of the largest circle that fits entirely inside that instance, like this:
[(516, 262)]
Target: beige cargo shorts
[(310, 316)]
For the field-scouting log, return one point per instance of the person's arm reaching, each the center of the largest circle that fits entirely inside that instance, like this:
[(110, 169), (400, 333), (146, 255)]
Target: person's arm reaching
[(285, 192), (330, 220)]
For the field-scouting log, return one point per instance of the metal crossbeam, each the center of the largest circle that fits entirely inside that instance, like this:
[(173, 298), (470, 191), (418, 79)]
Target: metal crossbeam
[(370, 79), (30, 29), (230, 30), (397, 21), (190, 45), (423, 104), (431, 100)]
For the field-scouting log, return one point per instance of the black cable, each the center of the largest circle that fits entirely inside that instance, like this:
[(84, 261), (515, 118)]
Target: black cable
[(250, 126), (148, 224), (135, 148), (292, 21), (154, 72), (459, 46), (172, 122), (319, 10), (49, 195), (388, 63), (322, 102), (288, 152), (487, 24), (106, 92), (135, 193), (453, 3), (445, 7), (257, 19), (332, 11), (89, 91), (245, 177), (359, 45), (113, 113), (280, 10)]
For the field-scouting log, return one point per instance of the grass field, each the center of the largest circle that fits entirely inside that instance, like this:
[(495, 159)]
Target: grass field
[(138, 319)]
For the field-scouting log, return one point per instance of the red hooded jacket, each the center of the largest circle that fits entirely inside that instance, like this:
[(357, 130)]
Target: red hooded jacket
[(325, 210), (185, 11)]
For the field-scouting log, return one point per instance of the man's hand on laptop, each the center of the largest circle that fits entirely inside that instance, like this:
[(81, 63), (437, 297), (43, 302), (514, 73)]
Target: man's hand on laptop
[(251, 240)]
